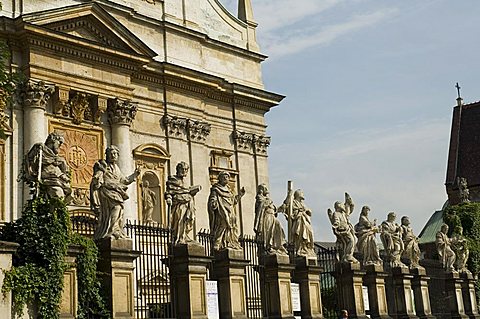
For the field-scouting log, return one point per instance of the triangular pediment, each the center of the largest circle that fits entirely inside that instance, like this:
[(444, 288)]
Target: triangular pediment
[(90, 23)]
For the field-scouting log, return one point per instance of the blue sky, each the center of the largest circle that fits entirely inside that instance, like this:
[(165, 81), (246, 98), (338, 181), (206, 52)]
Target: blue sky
[(370, 91)]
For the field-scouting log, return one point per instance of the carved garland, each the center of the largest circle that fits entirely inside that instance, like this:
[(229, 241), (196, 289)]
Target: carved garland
[(248, 141), (178, 126)]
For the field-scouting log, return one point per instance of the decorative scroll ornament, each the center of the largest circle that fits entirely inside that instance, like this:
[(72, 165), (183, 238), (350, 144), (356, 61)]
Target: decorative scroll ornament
[(178, 126), (36, 94), (261, 143), (175, 126), (198, 130), (121, 112), (249, 141)]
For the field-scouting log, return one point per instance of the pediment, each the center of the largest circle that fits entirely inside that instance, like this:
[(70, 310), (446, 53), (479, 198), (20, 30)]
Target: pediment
[(90, 24)]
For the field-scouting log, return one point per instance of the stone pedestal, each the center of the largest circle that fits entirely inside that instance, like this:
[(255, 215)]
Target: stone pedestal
[(469, 297), (7, 249), (188, 271), (375, 282), (277, 279), (349, 284), (116, 264), (421, 294), (453, 288), (400, 294), (69, 301), (307, 275), (229, 271)]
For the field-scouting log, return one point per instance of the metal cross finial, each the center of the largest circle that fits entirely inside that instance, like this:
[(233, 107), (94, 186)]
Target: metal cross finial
[(458, 90)]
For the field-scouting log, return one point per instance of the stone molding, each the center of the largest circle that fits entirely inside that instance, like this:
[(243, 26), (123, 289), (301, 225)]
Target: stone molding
[(249, 141), (121, 111), (195, 130), (36, 94)]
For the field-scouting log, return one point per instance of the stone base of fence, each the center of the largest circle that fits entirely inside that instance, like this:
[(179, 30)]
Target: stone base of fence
[(421, 293), (453, 288), (350, 287), (307, 275), (469, 297), (69, 301), (399, 293), (7, 249), (375, 282)]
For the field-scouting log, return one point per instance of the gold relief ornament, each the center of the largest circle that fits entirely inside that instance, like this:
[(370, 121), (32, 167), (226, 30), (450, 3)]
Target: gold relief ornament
[(78, 105)]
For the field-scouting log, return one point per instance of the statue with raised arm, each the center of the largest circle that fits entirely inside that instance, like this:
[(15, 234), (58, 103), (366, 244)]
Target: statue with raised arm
[(180, 199), (366, 231), (410, 242), (222, 216), (149, 200), (446, 254), (42, 164), (266, 225), (108, 193), (391, 236), (343, 229), (460, 247)]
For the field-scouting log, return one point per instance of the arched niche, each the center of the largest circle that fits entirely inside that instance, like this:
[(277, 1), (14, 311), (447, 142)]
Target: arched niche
[(152, 160)]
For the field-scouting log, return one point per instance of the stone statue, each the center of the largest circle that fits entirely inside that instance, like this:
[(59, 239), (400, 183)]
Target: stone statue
[(391, 236), (463, 191), (108, 192), (343, 229), (446, 254), (460, 247), (366, 231), (42, 164), (267, 226), (149, 200), (410, 243), (180, 200), (221, 211)]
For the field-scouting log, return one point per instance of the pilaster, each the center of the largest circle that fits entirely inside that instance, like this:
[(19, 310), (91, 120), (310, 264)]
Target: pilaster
[(469, 296), (453, 288), (349, 282), (375, 282), (307, 275), (399, 294), (421, 293)]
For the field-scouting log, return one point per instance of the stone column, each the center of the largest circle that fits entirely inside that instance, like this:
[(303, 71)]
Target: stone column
[(7, 249), (277, 279), (453, 288), (469, 297), (307, 275), (35, 96), (188, 270), (121, 115), (229, 271), (116, 264), (349, 284), (375, 282), (399, 293), (421, 294)]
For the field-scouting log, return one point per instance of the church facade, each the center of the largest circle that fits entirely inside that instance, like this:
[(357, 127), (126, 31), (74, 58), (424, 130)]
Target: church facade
[(164, 80)]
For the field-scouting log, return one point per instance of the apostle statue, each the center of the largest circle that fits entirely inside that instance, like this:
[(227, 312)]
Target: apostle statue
[(149, 199), (366, 231), (463, 191), (410, 243), (391, 236), (221, 211), (460, 247), (446, 254), (42, 164), (108, 193), (180, 199), (267, 226), (343, 229)]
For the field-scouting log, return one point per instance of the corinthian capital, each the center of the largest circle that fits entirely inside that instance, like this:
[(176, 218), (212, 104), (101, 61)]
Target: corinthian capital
[(198, 130), (36, 94), (121, 112), (261, 143)]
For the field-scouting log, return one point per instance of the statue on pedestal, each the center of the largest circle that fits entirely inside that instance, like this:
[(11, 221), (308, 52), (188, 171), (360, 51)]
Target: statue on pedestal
[(221, 211), (149, 199), (446, 254), (42, 164), (343, 229), (180, 200), (410, 242), (267, 226), (108, 193), (366, 231), (391, 236), (460, 247), (463, 191)]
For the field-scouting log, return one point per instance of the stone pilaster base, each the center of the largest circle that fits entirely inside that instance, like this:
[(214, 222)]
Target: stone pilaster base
[(469, 297), (277, 279), (421, 293), (453, 288), (7, 249), (116, 263), (188, 270), (400, 295), (349, 285), (69, 301), (229, 271), (375, 282), (307, 275)]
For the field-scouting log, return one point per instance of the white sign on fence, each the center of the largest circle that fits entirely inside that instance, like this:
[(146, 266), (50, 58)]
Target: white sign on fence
[(212, 299)]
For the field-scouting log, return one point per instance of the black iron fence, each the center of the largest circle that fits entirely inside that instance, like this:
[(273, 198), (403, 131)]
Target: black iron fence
[(327, 258)]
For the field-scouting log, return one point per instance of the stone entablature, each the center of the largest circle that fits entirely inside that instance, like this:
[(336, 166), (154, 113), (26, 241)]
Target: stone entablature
[(194, 130), (251, 142)]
